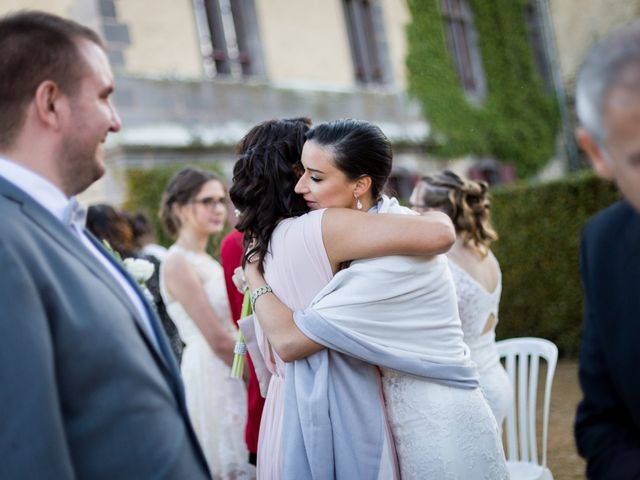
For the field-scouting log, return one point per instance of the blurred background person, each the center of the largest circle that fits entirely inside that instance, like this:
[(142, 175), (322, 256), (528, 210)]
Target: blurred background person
[(108, 224), (231, 252), (145, 247), (144, 237), (607, 428), (194, 207), (117, 228), (476, 274)]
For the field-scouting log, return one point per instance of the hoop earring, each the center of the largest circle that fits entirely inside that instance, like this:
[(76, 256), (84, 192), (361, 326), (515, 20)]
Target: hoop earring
[(358, 202)]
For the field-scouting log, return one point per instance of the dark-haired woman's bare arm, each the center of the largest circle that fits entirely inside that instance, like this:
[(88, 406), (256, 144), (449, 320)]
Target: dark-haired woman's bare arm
[(350, 234)]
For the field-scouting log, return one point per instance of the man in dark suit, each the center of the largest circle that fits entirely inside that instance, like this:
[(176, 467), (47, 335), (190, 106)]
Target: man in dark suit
[(89, 388), (607, 428)]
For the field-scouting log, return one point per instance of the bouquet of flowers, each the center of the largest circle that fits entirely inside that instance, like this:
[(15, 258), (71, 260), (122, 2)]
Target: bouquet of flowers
[(141, 271), (139, 268)]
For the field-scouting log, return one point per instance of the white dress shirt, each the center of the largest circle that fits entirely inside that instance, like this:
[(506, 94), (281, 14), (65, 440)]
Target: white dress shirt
[(52, 199)]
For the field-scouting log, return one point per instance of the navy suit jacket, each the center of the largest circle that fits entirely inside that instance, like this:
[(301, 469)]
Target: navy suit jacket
[(84, 392), (607, 425)]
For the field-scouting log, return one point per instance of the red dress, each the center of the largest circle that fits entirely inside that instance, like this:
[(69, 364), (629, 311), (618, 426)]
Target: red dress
[(231, 258)]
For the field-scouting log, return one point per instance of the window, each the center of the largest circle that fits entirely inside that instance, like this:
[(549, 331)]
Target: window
[(364, 27), (229, 37), (491, 171), (463, 46), (538, 42)]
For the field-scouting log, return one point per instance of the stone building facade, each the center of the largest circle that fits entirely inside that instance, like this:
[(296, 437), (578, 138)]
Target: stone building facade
[(192, 76)]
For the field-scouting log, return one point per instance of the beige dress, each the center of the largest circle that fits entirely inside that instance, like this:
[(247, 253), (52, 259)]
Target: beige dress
[(217, 404)]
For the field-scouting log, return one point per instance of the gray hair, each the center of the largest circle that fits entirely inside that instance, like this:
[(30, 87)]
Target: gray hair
[(599, 72)]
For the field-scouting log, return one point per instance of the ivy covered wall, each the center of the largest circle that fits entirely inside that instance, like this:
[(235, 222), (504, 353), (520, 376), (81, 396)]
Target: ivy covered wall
[(517, 122)]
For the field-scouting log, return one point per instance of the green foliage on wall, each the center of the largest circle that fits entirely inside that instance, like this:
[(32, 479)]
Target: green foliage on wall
[(540, 227), (518, 120), (144, 192)]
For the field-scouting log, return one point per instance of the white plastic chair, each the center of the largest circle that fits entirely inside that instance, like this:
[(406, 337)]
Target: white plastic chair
[(522, 359)]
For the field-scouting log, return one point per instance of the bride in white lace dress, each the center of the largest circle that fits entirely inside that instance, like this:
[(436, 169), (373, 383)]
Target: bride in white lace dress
[(476, 273), (440, 431), (193, 288)]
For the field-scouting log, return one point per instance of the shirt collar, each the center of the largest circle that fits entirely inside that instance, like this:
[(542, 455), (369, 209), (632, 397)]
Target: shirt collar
[(40, 189)]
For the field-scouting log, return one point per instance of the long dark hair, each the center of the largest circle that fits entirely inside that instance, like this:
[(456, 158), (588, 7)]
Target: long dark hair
[(264, 178), (359, 148)]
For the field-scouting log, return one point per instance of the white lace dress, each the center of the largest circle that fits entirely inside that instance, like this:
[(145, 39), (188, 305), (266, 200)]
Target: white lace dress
[(440, 432), (476, 305), (216, 403)]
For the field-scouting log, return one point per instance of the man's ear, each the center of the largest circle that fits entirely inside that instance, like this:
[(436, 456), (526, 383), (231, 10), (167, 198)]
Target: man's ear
[(47, 103), (595, 153)]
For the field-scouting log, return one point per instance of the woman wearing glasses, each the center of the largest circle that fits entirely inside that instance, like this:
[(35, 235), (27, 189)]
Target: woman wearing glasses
[(192, 283)]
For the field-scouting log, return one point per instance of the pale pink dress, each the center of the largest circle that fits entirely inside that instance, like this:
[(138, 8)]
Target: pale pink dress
[(296, 268)]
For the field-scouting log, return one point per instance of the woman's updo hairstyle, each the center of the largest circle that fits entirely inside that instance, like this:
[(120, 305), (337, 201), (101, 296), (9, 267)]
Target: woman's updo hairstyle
[(359, 148), (181, 189), (264, 178), (466, 202)]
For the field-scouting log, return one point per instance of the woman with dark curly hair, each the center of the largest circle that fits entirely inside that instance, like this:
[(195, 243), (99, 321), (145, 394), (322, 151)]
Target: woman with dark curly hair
[(476, 273), (231, 256)]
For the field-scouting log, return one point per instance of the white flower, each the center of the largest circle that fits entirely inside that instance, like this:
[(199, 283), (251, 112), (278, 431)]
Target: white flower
[(140, 269)]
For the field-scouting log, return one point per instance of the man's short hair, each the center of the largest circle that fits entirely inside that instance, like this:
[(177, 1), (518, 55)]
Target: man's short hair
[(600, 71), (35, 47)]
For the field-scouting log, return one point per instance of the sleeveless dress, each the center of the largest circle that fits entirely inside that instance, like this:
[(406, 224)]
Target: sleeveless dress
[(440, 431), (293, 239), (297, 268), (215, 401), (476, 305)]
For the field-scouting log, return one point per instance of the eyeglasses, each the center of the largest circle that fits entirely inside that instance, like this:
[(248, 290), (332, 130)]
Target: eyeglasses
[(211, 202)]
